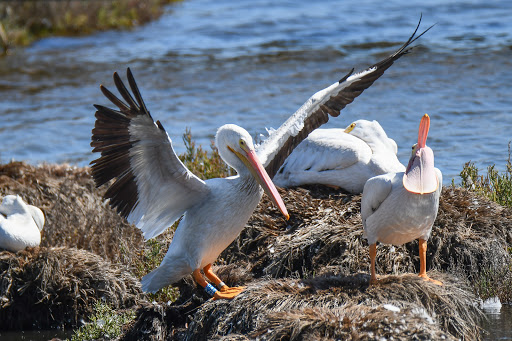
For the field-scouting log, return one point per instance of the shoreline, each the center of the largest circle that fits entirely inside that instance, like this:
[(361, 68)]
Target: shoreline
[(21, 24)]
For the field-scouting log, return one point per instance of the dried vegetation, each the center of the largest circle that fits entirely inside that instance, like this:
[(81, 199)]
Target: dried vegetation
[(306, 278)]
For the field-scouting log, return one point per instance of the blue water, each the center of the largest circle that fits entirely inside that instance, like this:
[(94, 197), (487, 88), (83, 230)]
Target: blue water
[(206, 63)]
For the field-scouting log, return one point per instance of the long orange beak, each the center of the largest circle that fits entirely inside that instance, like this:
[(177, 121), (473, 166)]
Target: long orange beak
[(423, 132), (264, 180)]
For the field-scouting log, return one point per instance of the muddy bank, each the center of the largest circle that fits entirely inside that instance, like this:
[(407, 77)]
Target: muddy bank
[(307, 278)]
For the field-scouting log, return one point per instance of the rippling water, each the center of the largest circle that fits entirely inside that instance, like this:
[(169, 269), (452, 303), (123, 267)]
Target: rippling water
[(206, 63)]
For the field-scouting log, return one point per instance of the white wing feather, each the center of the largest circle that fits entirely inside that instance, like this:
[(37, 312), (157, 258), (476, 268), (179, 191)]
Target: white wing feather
[(152, 187), (375, 191), (166, 188)]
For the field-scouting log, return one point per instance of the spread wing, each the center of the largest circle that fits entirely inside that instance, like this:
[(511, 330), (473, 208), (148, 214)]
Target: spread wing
[(315, 112), (152, 187), (326, 149)]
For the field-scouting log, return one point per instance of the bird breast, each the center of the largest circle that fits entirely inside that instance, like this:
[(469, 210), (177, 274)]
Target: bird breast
[(208, 228), (403, 216)]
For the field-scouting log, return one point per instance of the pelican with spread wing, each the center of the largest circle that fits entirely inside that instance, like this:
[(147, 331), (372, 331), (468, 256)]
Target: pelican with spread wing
[(153, 189), (344, 158)]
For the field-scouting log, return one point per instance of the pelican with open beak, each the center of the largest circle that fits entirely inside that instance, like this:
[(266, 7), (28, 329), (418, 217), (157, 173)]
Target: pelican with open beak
[(152, 188), (397, 208)]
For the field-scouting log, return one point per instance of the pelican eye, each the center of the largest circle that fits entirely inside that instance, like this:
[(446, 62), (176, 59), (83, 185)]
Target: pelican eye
[(414, 147), (242, 143), (350, 127)]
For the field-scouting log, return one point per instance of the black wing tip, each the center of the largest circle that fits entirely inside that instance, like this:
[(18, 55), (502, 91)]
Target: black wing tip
[(344, 78), (160, 126), (405, 48)]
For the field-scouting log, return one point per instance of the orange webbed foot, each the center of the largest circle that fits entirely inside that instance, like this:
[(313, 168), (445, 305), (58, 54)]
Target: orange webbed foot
[(426, 278), (228, 294), (225, 288)]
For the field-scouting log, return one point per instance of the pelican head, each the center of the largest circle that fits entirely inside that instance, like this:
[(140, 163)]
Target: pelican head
[(371, 132), (420, 176), (236, 148)]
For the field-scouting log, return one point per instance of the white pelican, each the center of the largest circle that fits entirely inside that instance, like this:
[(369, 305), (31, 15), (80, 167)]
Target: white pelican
[(397, 208), (153, 188), (20, 224), (342, 158)]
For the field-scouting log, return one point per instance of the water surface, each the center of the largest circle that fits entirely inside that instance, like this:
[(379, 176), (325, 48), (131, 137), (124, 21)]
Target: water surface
[(206, 63)]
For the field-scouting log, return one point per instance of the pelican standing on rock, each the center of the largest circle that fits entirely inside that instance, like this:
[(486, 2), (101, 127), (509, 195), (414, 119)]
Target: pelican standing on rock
[(397, 208), (342, 158), (153, 188), (20, 224)]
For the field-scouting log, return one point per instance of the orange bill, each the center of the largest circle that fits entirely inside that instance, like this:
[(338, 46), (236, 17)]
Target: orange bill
[(423, 132), (264, 180)]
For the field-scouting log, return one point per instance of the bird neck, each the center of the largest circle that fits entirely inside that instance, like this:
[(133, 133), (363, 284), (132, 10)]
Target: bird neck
[(379, 143), (247, 182)]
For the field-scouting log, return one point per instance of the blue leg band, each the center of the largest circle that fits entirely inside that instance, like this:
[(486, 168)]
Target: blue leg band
[(210, 289)]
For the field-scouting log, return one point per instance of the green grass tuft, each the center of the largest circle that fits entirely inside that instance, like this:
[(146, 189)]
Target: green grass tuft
[(202, 164), (494, 185), (104, 323)]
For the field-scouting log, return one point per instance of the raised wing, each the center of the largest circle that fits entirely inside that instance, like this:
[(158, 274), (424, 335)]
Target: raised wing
[(315, 112), (327, 149), (152, 187)]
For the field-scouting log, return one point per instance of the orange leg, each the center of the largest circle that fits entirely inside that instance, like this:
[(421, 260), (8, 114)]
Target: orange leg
[(423, 263), (373, 253), (219, 283), (228, 294), (199, 278)]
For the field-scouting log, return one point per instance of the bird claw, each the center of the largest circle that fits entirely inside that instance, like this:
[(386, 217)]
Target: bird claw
[(426, 278), (228, 294)]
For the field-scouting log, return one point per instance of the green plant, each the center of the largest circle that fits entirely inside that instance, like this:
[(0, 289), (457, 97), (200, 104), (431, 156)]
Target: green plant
[(493, 185), (104, 323), (202, 164), (151, 256), (27, 21)]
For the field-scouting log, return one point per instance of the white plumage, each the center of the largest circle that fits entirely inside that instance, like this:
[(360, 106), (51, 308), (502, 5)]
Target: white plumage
[(20, 224), (397, 208), (153, 188), (393, 215), (346, 158)]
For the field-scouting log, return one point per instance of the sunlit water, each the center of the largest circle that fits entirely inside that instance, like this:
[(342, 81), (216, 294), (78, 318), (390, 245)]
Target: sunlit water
[(206, 63), (253, 63)]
